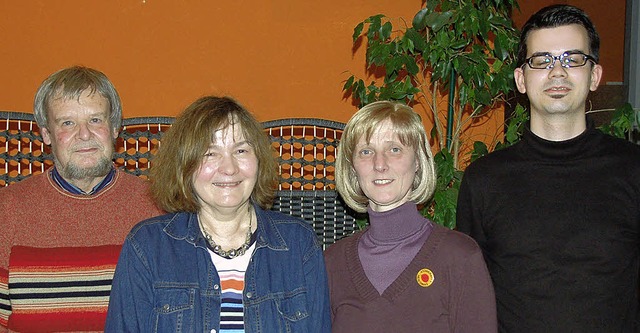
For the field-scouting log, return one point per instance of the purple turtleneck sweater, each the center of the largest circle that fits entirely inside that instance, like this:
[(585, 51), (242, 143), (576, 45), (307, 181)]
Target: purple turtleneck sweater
[(390, 243)]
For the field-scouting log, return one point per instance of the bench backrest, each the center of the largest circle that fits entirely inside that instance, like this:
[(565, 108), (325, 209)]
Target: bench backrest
[(306, 148)]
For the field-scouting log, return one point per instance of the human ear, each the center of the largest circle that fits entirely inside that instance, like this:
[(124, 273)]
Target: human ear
[(596, 75), (46, 136), (518, 76)]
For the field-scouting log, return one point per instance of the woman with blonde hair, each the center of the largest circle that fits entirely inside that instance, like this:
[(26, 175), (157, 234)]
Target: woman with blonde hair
[(403, 273)]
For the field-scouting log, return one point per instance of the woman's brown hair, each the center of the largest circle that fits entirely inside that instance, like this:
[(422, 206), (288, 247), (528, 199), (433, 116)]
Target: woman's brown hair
[(183, 147)]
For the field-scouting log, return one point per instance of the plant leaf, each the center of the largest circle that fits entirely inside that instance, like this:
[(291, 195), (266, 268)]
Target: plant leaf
[(411, 65), (357, 31), (385, 31), (419, 19), (418, 40), (439, 20), (500, 50), (349, 83), (459, 44), (479, 149), (374, 26)]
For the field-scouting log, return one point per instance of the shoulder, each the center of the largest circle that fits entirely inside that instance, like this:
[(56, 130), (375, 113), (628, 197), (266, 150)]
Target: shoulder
[(495, 159), (338, 249), (138, 193), (34, 181), (156, 224), (287, 234), (150, 240), (285, 222), (455, 243), (618, 157), (620, 146), (127, 179), (24, 190)]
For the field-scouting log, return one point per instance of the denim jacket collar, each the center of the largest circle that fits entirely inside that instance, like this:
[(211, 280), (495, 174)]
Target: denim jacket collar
[(267, 234)]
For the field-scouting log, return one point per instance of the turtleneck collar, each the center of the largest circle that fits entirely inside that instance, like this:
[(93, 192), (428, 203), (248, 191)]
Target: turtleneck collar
[(395, 224), (565, 150)]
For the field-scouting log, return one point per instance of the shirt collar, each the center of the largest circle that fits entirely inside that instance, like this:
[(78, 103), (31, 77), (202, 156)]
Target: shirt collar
[(65, 185), (267, 233)]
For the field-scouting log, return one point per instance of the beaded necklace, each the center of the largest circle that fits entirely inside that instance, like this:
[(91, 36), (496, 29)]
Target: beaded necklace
[(230, 254)]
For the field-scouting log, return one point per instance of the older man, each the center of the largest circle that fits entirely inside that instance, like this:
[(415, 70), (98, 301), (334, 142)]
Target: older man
[(558, 214), (83, 200)]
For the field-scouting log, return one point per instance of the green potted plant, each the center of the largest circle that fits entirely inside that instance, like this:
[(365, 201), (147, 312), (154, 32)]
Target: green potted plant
[(460, 50)]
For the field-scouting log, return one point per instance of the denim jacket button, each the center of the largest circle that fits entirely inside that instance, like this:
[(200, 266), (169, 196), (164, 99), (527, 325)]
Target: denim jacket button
[(216, 287), (298, 314), (249, 295), (165, 307)]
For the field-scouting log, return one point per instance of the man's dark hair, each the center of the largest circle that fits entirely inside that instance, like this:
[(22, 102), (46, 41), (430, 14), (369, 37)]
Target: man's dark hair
[(555, 16)]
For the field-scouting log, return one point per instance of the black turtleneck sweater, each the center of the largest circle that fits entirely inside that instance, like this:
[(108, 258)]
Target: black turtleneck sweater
[(558, 223)]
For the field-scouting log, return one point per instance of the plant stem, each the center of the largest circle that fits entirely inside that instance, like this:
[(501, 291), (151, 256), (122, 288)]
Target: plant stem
[(450, 112)]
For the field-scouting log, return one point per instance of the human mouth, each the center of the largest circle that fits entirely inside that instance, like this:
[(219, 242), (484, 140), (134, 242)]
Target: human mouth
[(382, 181), (226, 184), (557, 91), (86, 150), (87, 147)]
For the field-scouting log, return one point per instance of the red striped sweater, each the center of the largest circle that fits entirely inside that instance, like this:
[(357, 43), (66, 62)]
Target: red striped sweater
[(37, 213)]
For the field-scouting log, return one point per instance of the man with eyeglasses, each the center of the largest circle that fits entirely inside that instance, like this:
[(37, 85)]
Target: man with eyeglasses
[(558, 214)]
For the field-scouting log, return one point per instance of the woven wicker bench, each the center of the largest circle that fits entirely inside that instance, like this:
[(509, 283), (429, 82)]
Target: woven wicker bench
[(306, 148)]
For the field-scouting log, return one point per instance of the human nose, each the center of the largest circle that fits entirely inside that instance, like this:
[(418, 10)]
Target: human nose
[(380, 162), (228, 165), (84, 133), (557, 70)]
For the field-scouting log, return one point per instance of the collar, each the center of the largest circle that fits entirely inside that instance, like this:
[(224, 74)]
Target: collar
[(571, 149), (267, 233), (396, 224), (65, 185)]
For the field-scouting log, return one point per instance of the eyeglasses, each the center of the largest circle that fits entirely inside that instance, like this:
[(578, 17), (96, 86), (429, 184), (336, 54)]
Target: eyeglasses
[(567, 60)]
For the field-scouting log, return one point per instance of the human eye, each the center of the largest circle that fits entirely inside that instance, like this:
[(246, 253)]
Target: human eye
[(396, 150), (574, 59), (210, 153), (244, 148), (66, 123), (540, 61), (365, 152), (95, 120)]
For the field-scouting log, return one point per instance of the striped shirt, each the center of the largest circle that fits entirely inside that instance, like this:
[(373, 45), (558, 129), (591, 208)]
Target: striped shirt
[(231, 273)]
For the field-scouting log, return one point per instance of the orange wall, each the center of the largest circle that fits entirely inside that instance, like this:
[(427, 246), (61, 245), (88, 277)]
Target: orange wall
[(280, 58)]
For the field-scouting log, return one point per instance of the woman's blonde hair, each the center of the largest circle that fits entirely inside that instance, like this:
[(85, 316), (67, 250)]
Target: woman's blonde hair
[(410, 131), (184, 145)]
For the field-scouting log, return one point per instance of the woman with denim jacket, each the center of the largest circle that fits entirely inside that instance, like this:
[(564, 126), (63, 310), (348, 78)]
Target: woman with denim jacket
[(220, 261)]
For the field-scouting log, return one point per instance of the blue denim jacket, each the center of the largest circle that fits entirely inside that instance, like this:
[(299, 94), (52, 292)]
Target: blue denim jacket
[(165, 280)]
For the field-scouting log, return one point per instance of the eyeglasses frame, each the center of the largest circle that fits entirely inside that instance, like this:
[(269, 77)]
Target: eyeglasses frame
[(559, 58)]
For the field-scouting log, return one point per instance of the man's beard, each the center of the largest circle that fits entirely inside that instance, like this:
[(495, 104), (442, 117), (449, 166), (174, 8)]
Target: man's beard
[(73, 171)]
